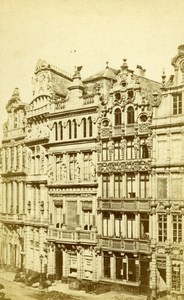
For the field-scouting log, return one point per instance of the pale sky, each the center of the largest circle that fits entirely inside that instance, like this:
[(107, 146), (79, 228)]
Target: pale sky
[(146, 32)]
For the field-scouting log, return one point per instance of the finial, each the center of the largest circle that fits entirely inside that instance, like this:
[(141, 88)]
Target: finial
[(107, 64), (124, 65)]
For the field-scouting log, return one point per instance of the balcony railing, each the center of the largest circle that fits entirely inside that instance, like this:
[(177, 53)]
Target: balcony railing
[(132, 245), (126, 204), (72, 236), (12, 217)]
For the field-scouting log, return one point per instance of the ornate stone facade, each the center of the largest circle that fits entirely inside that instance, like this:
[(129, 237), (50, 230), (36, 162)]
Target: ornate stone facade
[(92, 177)]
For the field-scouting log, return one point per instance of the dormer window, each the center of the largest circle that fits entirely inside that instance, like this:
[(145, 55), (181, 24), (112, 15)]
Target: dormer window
[(117, 117), (130, 115), (177, 104)]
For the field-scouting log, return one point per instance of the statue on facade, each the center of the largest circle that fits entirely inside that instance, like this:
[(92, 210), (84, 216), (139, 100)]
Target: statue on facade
[(93, 171)]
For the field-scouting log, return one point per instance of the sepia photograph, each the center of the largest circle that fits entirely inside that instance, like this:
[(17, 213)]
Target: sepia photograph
[(92, 149)]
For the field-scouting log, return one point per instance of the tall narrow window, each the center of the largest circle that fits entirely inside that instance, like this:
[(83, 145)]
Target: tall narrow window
[(56, 131), (162, 227), (107, 265), (75, 129), (131, 228), (106, 226), (90, 126), (144, 226), (177, 228), (84, 127), (143, 149), (144, 185), (61, 131), (117, 224), (105, 185), (72, 166), (87, 219), (130, 148), (87, 165), (131, 185), (117, 150), (105, 151), (177, 104), (69, 129), (130, 115), (117, 117), (118, 185)]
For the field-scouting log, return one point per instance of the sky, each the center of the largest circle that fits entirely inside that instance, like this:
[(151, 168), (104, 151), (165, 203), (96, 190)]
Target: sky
[(67, 33)]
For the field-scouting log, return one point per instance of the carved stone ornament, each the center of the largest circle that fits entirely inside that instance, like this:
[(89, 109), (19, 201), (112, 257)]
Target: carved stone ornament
[(128, 166)]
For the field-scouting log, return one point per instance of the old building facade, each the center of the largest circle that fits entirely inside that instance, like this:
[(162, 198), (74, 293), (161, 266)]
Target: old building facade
[(91, 178)]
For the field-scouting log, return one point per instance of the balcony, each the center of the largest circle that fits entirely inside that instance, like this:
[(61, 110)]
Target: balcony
[(124, 204), (71, 236), (12, 218), (135, 165), (117, 131), (14, 133), (129, 245)]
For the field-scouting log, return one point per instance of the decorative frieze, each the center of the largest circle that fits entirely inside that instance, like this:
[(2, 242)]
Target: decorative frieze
[(124, 166)]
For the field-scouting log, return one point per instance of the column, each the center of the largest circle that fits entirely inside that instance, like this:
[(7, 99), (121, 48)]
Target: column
[(28, 256), (153, 269), (94, 266), (9, 197), (42, 201), (29, 200), (124, 229)]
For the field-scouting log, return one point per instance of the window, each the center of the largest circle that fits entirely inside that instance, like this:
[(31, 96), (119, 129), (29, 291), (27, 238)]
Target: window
[(177, 228), (162, 228), (117, 117), (87, 219), (117, 224), (87, 165), (105, 185), (105, 151), (117, 150), (15, 122), (118, 186), (177, 104), (59, 167), (130, 115), (106, 226), (176, 277), (84, 127), (90, 127), (71, 215), (75, 129), (130, 149), (61, 131), (131, 229), (144, 185), (119, 266), (129, 268), (143, 149), (58, 217), (56, 131), (72, 166), (107, 265), (144, 226), (69, 129), (131, 185)]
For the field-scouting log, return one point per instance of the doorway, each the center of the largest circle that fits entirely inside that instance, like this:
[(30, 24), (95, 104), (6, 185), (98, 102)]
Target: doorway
[(59, 264)]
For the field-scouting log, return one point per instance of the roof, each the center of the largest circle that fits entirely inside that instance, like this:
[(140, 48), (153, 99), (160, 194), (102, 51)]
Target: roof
[(107, 73)]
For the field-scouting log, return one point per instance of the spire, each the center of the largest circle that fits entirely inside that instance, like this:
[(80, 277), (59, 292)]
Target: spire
[(163, 77)]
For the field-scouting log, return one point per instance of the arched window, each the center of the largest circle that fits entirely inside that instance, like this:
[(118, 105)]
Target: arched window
[(69, 129), (90, 126), (75, 129), (61, 131), (130, 115), (84, 127), (56, 131), (117, 117)]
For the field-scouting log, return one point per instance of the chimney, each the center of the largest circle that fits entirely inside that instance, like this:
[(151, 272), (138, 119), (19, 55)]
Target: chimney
[(140, 71)]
